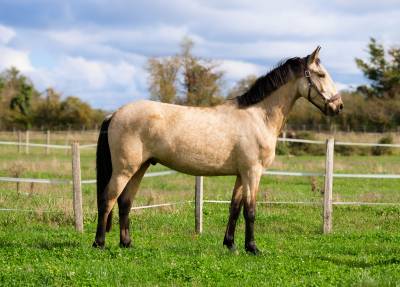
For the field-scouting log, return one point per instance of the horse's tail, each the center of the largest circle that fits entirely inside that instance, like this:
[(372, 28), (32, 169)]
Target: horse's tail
[(103, 168)]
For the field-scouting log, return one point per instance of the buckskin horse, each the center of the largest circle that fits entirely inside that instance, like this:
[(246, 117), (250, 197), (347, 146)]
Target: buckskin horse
[(236, 138)]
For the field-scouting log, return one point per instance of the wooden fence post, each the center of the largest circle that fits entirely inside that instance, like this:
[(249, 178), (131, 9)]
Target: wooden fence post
[(27, 142), (76, 186), (19, 142), (199, 205), (327, 217), (47, 142)]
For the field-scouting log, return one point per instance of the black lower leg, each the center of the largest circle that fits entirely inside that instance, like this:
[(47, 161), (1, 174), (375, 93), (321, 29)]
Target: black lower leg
[(229, 239), (124, 206), (249, 216), (101, 229), (99, 240)]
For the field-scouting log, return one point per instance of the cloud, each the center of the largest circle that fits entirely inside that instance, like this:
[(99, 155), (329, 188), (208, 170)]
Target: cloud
[(236, 70), (93, 80), (6, 34), (14, 58), (11, 56)]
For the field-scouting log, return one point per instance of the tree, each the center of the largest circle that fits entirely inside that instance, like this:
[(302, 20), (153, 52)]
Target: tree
[(18, 92), (163, 74), (201, 81), (48, 111), (75, 113), (382, 70), (185, 79)]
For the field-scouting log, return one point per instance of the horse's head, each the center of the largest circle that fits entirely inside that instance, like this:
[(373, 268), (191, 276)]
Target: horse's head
[(316, 86)]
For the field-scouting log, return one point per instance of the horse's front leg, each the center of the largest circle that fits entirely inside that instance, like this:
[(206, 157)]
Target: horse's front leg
[(251, 181), (234, 211)]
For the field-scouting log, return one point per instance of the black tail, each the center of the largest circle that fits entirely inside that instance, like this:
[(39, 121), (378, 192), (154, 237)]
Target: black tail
[(103, 169)]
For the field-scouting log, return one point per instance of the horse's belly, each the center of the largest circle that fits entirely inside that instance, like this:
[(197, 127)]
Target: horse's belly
[(200, 169), (199, 163)]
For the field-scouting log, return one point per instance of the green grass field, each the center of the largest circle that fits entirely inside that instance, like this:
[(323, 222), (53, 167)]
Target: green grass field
[(42, 248)]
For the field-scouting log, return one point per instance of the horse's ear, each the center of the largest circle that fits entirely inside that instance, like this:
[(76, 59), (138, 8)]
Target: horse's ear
[(314, 56)]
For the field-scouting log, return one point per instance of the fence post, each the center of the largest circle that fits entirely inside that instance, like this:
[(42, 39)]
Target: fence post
[(76, 186), (199, 205), (19, 142), (47, 142), (27, 142), (327, 217)]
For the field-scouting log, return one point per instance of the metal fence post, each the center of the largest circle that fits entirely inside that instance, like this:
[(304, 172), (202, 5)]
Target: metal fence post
[(199, 205), (327, 217), (76, 186)]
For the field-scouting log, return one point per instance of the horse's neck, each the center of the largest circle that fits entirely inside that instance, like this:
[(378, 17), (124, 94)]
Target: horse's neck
[(276, 107)]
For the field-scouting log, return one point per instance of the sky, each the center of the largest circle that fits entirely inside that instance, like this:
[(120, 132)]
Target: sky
[(97, 50)]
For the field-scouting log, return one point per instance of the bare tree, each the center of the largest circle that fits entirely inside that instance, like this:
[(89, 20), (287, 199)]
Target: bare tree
[(163, 75), (185, 79)]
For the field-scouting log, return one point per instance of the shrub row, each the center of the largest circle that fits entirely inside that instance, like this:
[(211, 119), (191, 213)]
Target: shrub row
[(294, 148)]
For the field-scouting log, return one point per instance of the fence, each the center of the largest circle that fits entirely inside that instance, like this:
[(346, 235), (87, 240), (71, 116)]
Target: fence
[(76, 180)]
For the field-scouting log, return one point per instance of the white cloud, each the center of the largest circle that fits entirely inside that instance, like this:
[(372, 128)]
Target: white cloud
[(236, 70), (76, 73), (72, 37), (6, 34), (98, 82), (10, 56)]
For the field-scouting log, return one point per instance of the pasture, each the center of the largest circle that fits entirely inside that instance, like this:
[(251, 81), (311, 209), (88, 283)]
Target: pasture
[(39, 245)]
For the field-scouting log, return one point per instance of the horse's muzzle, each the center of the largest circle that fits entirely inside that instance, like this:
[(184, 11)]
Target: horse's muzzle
[(335, 106)]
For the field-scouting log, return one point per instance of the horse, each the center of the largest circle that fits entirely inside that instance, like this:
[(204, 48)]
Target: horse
[(237, 137)]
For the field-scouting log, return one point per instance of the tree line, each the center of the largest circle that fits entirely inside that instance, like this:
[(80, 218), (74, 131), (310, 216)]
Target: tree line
[(187, 79), (22, 106)]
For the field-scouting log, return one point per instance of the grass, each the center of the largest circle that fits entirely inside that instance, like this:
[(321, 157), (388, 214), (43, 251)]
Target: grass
[(42, 248), (363, 251)]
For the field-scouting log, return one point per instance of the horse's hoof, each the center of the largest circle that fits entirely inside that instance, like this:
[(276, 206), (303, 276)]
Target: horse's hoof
[(99, 245), (252, 249), (229, 244), (125, 244), (231, 247)]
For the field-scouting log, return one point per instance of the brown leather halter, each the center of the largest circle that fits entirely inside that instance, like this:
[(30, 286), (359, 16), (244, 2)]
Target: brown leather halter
[(312, 85)]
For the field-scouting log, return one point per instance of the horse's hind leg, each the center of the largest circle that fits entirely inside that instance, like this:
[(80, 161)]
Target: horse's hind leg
[(234, 211), (125, 204), (114, 188), (251, 181)]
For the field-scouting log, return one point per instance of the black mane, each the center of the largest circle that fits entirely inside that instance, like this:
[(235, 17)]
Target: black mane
[(285, 71)]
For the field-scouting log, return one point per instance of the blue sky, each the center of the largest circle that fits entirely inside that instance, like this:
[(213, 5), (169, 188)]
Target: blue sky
[(97, 50)]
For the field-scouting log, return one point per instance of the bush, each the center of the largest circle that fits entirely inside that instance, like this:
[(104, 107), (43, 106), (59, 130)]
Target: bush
[(305, 148), (381, 150), (282, 148)]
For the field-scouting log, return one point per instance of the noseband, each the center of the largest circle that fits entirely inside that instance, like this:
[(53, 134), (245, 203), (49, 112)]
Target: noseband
[(312, 85)]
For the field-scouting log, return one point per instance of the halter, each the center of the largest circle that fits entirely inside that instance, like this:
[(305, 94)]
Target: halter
[(311, 85)]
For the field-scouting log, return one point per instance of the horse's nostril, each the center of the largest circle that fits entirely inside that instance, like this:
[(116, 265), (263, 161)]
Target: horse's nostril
[(341, 107)]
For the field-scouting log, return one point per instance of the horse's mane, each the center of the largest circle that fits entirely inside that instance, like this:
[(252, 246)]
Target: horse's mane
[(283, 72)]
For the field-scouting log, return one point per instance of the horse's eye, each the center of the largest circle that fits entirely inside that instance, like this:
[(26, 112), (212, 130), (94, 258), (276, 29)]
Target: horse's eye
[(321, 75)]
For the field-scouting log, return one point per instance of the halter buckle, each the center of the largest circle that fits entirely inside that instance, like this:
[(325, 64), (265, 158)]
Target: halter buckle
[(307, 74)]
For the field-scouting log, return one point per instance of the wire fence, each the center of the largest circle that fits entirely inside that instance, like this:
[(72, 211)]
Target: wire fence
[(76, 172)]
